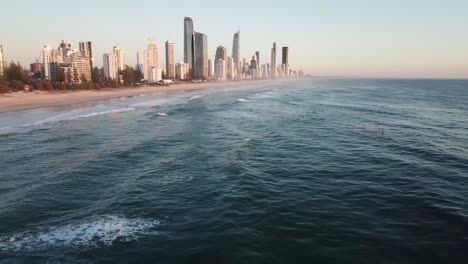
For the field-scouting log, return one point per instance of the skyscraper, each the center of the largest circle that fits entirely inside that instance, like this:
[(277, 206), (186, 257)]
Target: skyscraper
[(285, 61), (142, 63), (189, 45), (221, 53), (210, 68), (51, 58), (87, 51), (81, 68), (110, 65), (153, 55), (201, 56), (170, 64), (257, 54), (2, 66), (65, 48), (236, 48), (119, 56), (273, 60)]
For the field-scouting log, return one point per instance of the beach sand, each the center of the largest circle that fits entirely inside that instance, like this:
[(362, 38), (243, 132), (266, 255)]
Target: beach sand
[(20, 101)]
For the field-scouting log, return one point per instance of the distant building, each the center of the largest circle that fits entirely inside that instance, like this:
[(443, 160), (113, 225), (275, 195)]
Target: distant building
[(64, 49), (51, 58), (257, 54), (201, 55), (110, 65), (182, 71), (2, 64), (285, 61), (220, 69), (142, 63), (273, 61), (210, 68), (81, 67), (170, 64), (153, 55), (231, 69), (155, 75), (236, 48), (221, 53), (189, 43), (36, 67), (253, 63), (119, 56), (87, 51)]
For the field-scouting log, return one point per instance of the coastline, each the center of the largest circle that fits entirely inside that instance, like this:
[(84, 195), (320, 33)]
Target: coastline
[(22, 101)]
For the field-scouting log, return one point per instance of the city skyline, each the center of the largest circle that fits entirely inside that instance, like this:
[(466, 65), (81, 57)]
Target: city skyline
[(329, 38)]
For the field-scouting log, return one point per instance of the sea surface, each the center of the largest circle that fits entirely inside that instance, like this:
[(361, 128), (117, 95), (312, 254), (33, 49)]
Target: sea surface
[(306, 171)]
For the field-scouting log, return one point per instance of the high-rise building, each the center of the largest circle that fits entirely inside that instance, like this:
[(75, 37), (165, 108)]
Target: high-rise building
[(236, 48), (110, 65), (153, 55), (2, 65), (231, 71), (201, 55), (119, 56), (273, 61), (257, 54), (64, 49), (210, 68), (36, 67), (142, 63), (81, 67), (170, 64), (189, 43), (182, 71), (51, 59), (87, 51), (285, 61), (221, 53), (220, 69), (253, 62), (155, 75)]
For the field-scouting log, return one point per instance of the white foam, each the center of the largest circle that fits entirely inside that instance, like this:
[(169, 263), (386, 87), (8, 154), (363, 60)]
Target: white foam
[(101, 231), (242, 100), (121, 110), (195, 97), (161, 114)]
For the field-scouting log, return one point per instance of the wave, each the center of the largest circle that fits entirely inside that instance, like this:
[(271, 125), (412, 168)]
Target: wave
[(102, 231), (161, 114), (195, 97), (242, 100)]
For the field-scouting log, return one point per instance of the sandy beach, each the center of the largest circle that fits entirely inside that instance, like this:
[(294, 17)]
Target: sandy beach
[(20, 101)]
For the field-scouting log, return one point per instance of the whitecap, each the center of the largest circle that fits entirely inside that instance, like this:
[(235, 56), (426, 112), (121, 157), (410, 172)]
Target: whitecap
[(97, 232), (195, 97), (161, 114), (242, 100)]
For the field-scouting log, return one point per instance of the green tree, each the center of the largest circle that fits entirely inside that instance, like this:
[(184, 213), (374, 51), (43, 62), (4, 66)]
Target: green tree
[(96, 75), (15, 72), (128, 75)]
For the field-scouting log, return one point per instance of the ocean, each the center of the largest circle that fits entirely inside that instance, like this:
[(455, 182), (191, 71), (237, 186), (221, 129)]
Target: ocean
[(308, 171)]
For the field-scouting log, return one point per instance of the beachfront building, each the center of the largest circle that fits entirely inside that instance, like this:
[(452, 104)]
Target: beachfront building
[(201, 56), (231, 73), (170, 64), (119, 56), (257, 55), (64, 49), (142, 63), (189, 43), (210, 68), (110, 65), (87, 51), (236, 50), (155, 75), (182, 71), (273, 61), (285, 61), (51, 59), (153, 55), (220, 70), (81, 68)]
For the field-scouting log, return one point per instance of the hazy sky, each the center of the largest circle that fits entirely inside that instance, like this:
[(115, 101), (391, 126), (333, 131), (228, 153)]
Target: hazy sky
[(381, 38)]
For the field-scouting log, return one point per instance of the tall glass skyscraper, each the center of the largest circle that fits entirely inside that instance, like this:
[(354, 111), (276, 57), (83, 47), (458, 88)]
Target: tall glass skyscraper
[(273, 60), (285, 61), (189, 45), (201, 56), (236, 48)]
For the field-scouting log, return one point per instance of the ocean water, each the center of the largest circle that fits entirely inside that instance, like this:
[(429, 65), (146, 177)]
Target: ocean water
[(307, 171)]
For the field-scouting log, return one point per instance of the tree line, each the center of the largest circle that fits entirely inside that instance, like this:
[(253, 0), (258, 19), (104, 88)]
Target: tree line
[(16, 77)]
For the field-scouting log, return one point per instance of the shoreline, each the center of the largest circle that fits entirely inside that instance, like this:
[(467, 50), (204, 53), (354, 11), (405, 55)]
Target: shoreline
[(22, 101)]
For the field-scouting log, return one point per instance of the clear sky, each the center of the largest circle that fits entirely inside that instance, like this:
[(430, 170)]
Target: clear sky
[(376, 38)]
